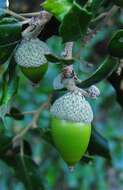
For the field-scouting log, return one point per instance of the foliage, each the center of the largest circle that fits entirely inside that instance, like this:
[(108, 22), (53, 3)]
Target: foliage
[(28, 156)]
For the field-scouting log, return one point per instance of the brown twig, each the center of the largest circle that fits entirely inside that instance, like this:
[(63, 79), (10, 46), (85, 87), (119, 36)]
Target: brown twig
[(34, 121), (36, 25), (7, 11), (30, 14)]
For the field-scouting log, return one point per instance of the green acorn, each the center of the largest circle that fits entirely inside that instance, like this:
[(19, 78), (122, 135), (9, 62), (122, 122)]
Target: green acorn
[(71, 126), (30, 56)]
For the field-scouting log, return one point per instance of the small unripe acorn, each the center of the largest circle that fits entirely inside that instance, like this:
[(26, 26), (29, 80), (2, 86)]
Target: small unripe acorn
[(30, 56), (71, 126)]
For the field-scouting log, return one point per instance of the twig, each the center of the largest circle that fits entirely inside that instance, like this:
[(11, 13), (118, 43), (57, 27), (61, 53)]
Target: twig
[(7, 11), (36, 25), (34, 121), (30, 14), (101, 16)]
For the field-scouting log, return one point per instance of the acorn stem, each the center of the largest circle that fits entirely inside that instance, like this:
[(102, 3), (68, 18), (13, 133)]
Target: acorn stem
[(71, 168), (36, 25)]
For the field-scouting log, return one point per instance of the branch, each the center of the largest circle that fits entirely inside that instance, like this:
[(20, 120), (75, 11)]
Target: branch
[(34, 121), (7, 11), (36, 24), (30, 14)]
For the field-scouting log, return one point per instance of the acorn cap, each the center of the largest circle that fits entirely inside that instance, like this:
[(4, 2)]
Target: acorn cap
[(31, 53), (72, 107)]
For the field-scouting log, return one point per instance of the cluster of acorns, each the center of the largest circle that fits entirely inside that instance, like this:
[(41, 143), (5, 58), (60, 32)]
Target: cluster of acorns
[(71, 114)]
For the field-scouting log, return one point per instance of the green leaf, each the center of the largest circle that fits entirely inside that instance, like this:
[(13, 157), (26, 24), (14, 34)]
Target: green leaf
[(10, 33), (118, 2), (96, 4), (98, 145), (9, 89), (28, 172), (55, 59), (116, 44), (5, 52), (81, 2), (10, 30), (25, 170), (5, 144), (58, 8), (105, 69), (75, 23), (86, 159)]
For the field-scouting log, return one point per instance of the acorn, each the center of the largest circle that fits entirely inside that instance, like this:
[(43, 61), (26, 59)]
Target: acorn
[(71, 126), (30, 56)]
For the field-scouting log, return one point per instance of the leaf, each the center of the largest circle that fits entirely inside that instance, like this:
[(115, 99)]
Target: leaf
[(47, 136), (10, 30), (28, 172), (96, 4), (5, 144), (86, 159), (10, 33), (15, 113), (118, 2), (105, 69), (9, 90), (25, 170), (55, 59), (98, 145), (116, 44), (81, 2), (58, 8), (75, 23), (5, 52)]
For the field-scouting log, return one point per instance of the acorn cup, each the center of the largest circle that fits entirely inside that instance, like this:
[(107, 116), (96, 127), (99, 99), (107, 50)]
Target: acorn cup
[(71, 126), (30, 56)]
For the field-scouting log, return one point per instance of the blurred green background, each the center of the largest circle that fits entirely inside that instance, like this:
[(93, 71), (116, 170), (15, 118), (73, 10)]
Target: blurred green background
[(108, 119)]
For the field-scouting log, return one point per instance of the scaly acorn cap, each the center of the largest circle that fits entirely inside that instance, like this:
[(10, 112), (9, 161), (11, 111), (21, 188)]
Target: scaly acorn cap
[(72, 107), (30, 53)]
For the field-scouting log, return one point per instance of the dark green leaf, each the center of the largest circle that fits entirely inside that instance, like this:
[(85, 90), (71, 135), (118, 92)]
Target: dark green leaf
[(105, 69), (55, 59), (81, 2), (5, 52), (47, 137), (9, 89), (10, 30), (5, 144), (98, 145), (10, 33), (16, 114), (86, 159), (96, 4), (27, 171), (118, 2), (116, 44), (75, 23)]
